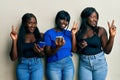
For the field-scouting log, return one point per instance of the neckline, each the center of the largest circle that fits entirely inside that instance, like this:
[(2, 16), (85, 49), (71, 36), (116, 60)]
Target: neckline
[(57, 31), (90, 37), (29, 43)]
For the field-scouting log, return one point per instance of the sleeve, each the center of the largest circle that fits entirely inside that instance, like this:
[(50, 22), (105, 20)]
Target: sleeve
[(47, 39), (68, 33)]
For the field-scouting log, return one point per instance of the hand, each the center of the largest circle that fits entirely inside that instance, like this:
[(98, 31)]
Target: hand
[(59, 42), (112, 29), (83, 44), (74, 29), (37, 48), (14, 33)]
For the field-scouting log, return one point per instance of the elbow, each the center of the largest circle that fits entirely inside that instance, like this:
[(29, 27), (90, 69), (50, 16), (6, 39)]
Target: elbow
[(107, 51), (13, 58), (74, 50)]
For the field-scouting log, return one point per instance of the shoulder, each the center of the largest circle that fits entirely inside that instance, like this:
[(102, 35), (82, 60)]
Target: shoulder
[(49, 31), (101, 30), (67, 32)]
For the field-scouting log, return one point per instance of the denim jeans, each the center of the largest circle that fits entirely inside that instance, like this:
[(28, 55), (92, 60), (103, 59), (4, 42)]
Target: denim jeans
[(60, 70), (93, 67), (29, 69)]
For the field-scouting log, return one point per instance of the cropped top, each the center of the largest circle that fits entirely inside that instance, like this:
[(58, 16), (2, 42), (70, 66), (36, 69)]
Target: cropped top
[(28, 51), (93, 45)]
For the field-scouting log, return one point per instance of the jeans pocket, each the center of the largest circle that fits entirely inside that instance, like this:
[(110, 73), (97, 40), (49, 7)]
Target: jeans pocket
[(102, 61), (38, 61), (101, 58)]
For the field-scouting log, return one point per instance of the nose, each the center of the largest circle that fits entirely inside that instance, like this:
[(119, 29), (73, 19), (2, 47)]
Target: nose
[(33, 25), (95, 19)]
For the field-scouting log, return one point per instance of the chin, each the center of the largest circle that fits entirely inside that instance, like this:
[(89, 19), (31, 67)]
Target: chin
[(31, 31), (93, 26)]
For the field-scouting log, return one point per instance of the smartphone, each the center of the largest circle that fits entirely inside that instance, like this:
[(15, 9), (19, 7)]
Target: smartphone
[(41, 44), (59, 38)]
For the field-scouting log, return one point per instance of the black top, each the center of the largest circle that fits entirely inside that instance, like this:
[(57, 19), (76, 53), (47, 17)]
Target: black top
[(93, 46), (28, 51)]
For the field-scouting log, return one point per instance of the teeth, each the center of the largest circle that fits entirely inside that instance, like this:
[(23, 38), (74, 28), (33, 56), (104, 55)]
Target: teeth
[(63, 25)]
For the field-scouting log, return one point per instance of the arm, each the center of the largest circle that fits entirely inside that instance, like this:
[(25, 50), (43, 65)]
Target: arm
[(39, 50), (48, 49), (13, 52), (74, 43), (73, 33), (59, 43), (107, 44)]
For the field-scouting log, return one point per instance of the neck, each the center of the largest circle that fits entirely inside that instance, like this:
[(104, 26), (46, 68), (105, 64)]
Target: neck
[(58, 29)]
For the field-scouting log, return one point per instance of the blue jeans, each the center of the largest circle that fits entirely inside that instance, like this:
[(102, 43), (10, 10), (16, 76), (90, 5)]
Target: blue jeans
[(29, 69), (93, 67), (60, 70)]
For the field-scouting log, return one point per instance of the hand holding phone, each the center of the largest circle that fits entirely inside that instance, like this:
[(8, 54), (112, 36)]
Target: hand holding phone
[(59, 38), (59, 41)]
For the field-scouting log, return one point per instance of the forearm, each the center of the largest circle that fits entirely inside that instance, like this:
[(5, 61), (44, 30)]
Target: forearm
[(14, 53), (74, 48), (50, 52), (109, 45)]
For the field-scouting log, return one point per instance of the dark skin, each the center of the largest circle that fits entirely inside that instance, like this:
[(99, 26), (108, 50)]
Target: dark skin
[(107, 43), (62, 24), (29, 38)]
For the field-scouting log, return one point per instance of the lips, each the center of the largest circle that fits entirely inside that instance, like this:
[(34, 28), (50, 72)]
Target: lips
[(63, 25), (31, 29), (94, 23)]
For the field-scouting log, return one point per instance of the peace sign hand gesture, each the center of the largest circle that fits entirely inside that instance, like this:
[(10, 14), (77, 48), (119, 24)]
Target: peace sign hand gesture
[(13, 33), (112, 29), (74, 28)]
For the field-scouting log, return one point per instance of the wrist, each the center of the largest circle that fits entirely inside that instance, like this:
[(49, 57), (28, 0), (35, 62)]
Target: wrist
[(57, 47), (111, 36), (14, 40), (73, 34)]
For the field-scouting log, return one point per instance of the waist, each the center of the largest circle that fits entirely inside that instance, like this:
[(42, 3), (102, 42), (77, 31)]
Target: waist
[(30, 56), (57, 57), (63, 60), (89, 51), (30, 61), (90, 56)]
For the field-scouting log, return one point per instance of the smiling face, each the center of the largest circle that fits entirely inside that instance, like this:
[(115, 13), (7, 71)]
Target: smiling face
[(92, 19), (31, 24), (62, 20), (62, 23)]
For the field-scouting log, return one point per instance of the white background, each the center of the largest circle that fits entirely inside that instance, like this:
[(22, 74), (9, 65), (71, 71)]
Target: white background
[(11, 12)]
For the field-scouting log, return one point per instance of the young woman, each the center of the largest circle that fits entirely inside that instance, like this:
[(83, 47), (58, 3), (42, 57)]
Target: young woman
[(25, 49), (92, 44), (58, 48)]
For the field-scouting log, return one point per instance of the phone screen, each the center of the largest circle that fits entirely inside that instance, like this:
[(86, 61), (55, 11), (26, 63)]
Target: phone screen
[(41, 44)]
